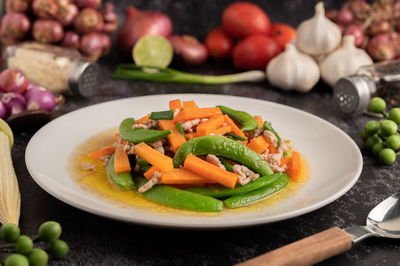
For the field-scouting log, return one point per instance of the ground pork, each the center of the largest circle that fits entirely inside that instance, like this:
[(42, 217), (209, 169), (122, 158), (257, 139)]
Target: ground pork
[(156, 179), (245, 174), (215, 161)]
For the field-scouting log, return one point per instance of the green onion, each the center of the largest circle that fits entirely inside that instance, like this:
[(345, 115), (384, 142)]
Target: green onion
[(267, 126), (227, 165), (163, 115), (179, 126), (236, 137), (132, 71), (285, 154)]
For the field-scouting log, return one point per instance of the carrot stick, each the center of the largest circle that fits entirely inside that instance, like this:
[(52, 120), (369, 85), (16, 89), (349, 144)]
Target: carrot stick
[(156, 158), (189, 105), (259, 144), (295, 168), (143, 119), (150, 172), (175, 104), (189, 136), (189, 114), (176, 139), (234, 128), (181, 176), (222, 130), (272, 149), (121, 161), (204, 129), (210, 171), (99, 154), (285, 160), (259, 120)]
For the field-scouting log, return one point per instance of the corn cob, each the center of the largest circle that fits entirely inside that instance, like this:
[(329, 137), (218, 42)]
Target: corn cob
[(10, 199)]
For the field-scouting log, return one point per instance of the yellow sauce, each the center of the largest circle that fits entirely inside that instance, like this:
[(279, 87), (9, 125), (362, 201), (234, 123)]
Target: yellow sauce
[(96, 182)]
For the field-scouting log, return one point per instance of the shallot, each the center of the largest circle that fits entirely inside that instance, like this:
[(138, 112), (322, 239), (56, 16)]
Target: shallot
[(67, 12), (92, 45), (15, 25), (47, 31), (105, 43), (12, 98), (17, 108), (46, 9), (188, 49), (41, 100), (138, 24), (12, 80), (379, 27), (32, 88), (345, 16), (357, 32), (17, 6), (71, 39), (88, 20), (110, 18), (381, 47), (88, 3)]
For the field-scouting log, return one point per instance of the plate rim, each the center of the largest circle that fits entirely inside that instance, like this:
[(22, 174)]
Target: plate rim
[(227, 224)]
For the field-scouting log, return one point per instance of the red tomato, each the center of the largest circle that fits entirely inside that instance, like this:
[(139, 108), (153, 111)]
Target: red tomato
[(283, 33), (242, 19), (219, 44), (255, 52)]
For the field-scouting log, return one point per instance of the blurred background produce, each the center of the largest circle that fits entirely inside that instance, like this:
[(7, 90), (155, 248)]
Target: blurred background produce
[(79, 24)]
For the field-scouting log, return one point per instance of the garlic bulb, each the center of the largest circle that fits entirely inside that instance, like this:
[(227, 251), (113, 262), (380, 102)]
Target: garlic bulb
[(318, 35), (344, 61), (292, 70)]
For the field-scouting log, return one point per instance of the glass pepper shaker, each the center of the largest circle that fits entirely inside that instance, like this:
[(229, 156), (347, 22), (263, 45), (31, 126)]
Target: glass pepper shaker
[(58, 69), (353, 93)]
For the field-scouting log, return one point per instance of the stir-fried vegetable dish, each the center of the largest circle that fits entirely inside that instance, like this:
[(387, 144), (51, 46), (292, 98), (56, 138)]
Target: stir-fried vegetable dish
[(200, 159)]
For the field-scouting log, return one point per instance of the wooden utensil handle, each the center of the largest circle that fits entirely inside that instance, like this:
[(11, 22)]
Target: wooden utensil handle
[(306, 251)]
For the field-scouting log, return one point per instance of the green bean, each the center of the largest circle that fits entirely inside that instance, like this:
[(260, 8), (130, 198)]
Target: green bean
[(122, 180), (235, 137), (267, 126), (258, 194), (177, 198), (248, 122), (224, 147), (227, 165), (179, 126), (163, 115), (139, 134), (223, 192)]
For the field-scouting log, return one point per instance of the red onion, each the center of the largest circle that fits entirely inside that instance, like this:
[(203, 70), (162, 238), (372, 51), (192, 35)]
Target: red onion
[(66, 12), (92, 45), (332, 14), (345, 17), (17, 6), (188, 49), (12, 98), (395, 37), (32, 89), (138, 24), (88, 3), (12, 80), (47, 31), (3, 111), (109, 27), (46, 9), (42, 100), (15, 25), (108, 13), (360, 8), (17, 108), (357, 32), (71, 39), (379, 27), (88, 20), (381, 48)]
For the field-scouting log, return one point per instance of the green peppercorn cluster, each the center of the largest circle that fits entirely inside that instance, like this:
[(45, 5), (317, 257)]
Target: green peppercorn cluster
[(21, 249), (382, 137)]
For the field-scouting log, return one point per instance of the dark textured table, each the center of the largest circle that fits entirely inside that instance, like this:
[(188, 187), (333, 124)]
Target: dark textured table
[(94, 240)]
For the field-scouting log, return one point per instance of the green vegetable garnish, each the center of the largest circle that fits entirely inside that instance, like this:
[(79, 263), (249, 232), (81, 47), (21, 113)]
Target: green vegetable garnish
[(247, 122), (179, 126), (236, 137), (163, 115), (267, 126)]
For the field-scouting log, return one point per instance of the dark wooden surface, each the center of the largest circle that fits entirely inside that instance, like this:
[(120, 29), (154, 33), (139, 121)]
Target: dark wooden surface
[(95, 240)]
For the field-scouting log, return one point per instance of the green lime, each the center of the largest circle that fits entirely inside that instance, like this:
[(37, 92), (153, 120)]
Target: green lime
[(9, 232), (6, 129), (377, 105), (371, 141), (58, 249), (394, 115), (152, 50), (38, 257), (23, 244), (387, 156), (376, 149), (16, 260)]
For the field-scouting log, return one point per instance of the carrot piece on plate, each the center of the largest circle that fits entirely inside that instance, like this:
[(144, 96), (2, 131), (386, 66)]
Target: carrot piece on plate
[(121, 161), (205, 128), (176, 139), (175, 104), (155, 158)]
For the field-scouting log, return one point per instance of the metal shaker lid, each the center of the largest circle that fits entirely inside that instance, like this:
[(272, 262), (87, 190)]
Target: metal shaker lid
[(352, 94), (84, 78)]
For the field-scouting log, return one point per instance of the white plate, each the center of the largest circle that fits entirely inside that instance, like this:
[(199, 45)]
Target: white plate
[(334, 159)]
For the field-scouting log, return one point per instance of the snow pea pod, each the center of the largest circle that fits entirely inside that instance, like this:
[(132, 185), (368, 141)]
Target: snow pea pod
[(120, 181), (223, 192), (227, 148), (247, 122), (177, 198), (138, 135), (258, 194), (267, 126)]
